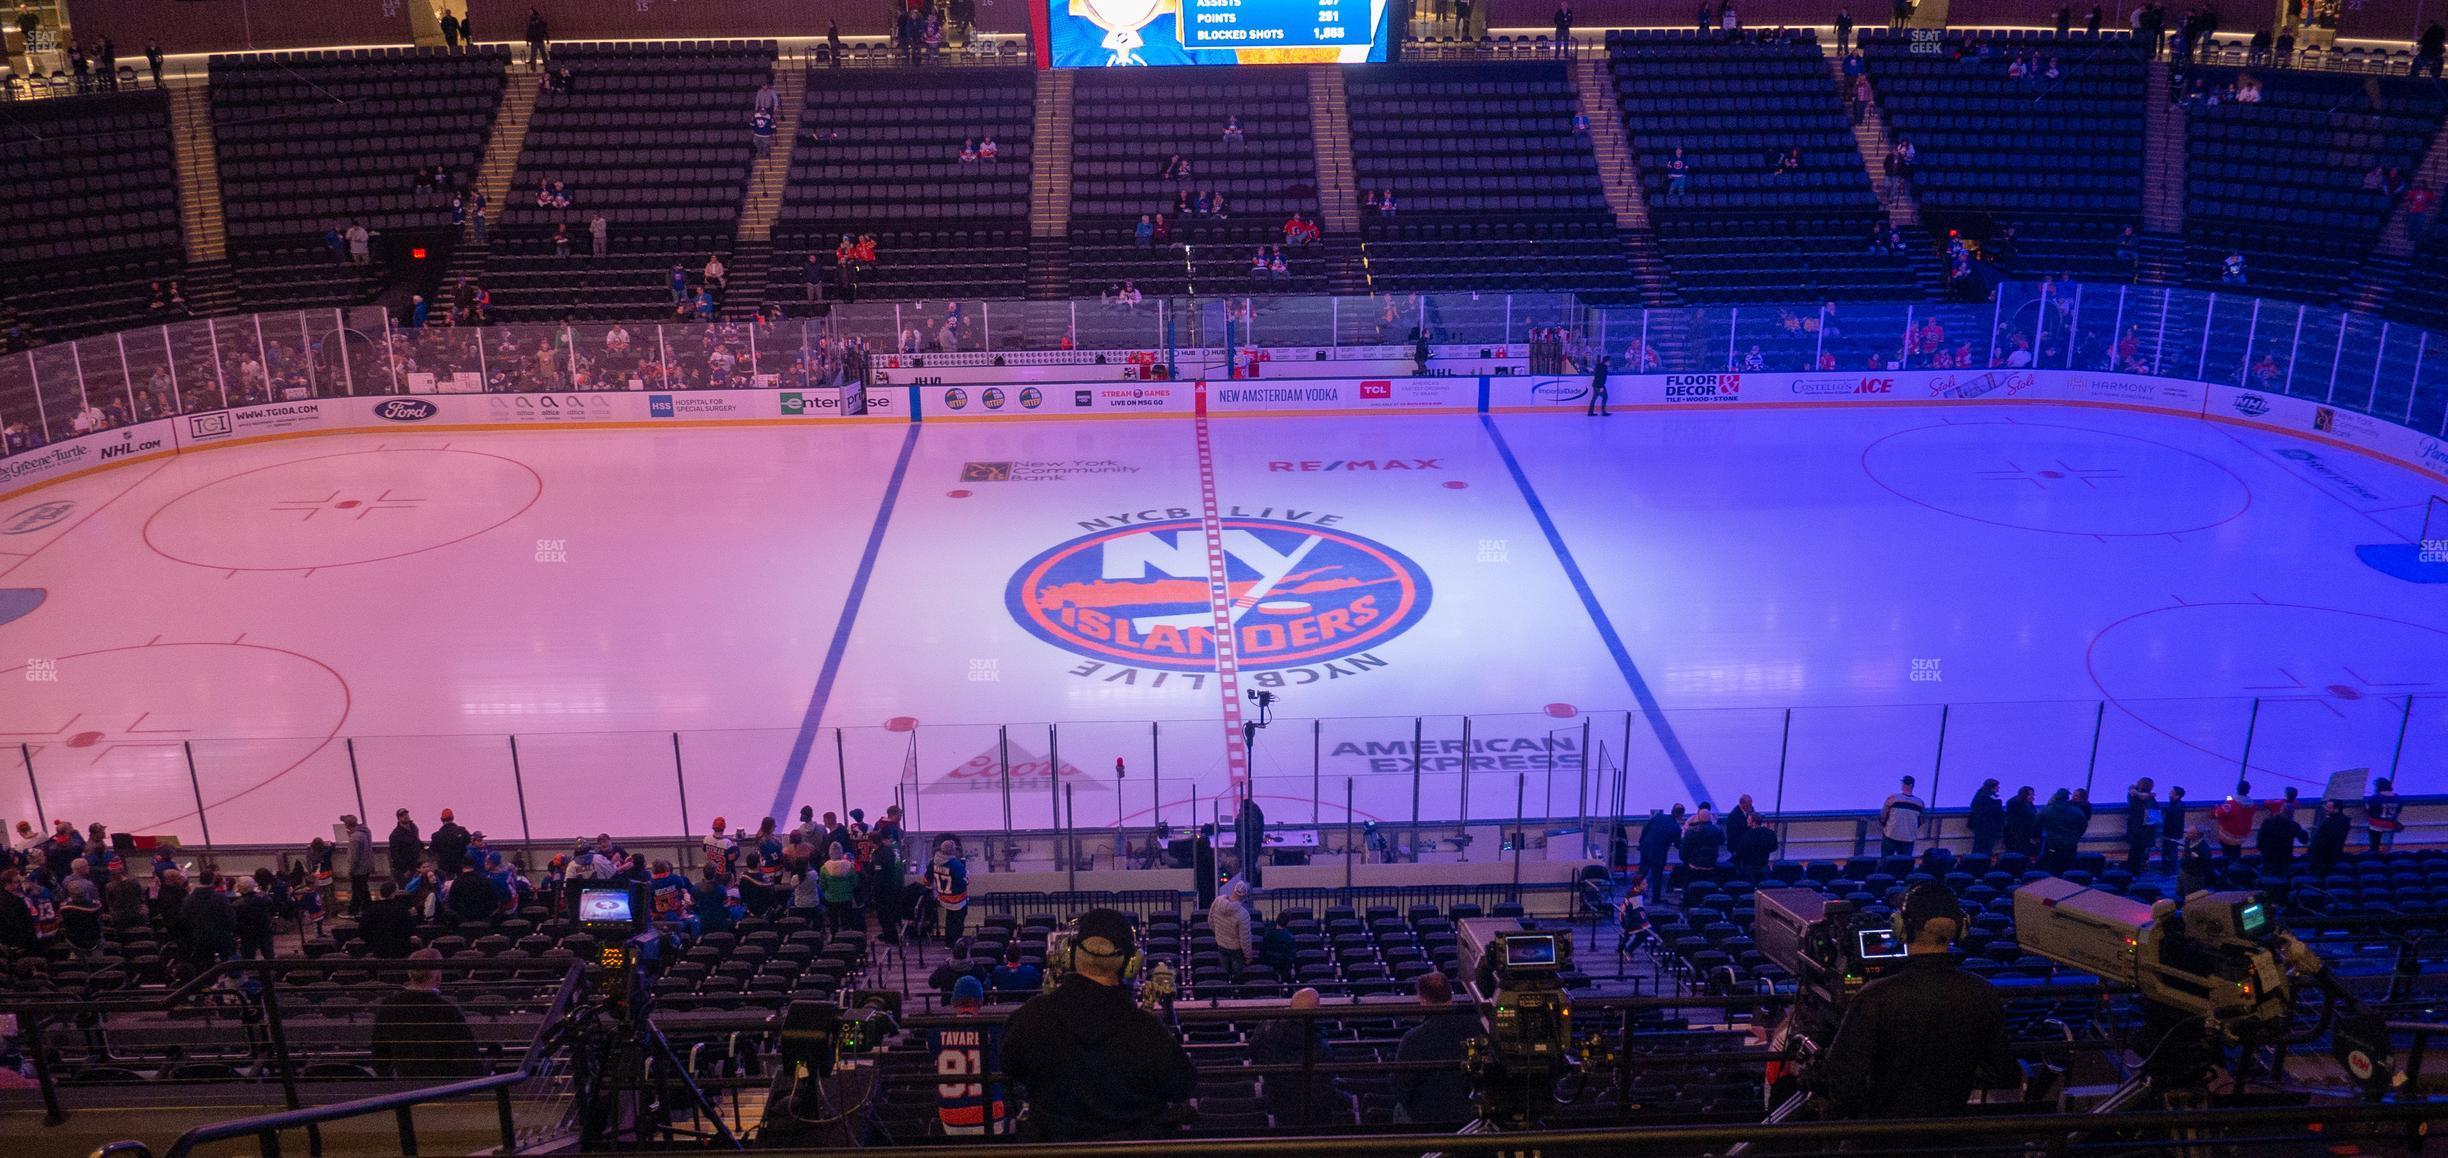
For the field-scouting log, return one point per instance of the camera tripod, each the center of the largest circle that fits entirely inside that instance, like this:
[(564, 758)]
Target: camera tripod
[(626, 1080)]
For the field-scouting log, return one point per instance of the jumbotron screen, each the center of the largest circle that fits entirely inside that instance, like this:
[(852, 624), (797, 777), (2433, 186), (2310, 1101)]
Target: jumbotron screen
[(1136, 33)]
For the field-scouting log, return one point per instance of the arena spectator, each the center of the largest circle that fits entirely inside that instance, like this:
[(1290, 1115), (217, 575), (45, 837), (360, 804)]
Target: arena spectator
[(948, 880), (2381, 810), (1435, 1096), (1016, 975), (1298, 1100), (1658, 837), (360, 861), (2141, 823), (1754, 847), (251, 919), (2061, 830), (450, 845), (2327, 842), (1900, 821), (419, 1033), (2276, 841), (1702, 841), (538, 36), (839, 888), (207, 925), (2233, 820), (1229, 920)]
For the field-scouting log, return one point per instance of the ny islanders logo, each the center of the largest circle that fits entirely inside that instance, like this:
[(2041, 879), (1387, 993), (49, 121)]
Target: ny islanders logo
[(1138, 595)]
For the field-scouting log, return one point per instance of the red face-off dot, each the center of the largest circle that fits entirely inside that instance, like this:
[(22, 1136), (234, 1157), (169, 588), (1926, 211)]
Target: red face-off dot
[(957, 494), (901, 724), (348, 504), (1455, 484), (1563, 711), (84, 739)]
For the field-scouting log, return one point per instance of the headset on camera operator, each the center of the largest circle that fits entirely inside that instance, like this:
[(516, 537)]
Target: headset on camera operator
[(1916, 1043), (1091, 1065)]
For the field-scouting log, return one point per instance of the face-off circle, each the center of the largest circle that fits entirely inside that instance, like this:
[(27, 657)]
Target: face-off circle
[(108, 731), (2064, 480), (337, 510), (2331, 682)]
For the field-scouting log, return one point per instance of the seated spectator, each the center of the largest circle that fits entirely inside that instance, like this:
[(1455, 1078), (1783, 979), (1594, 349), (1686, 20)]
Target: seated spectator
[(986, 148), (2231, 269), (418, 1033), (968, 151), (1385, 203), (1215, 203), (1145, 233), (1441, 1095), (1164, 232), (1016, 976), (1276, 267), (1293, 1101), (1258, 262), (1678, 174), (1232, 129), (1173, 166)]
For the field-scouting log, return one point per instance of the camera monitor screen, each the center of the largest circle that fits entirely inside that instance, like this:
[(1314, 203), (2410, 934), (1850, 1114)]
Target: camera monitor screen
[(1880, 944), (2252, 920), (609, 905), (1531, 951), (1135, 33)]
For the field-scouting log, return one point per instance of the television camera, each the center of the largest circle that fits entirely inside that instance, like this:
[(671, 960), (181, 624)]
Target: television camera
[(823, 1094), (1525, 1044), (1831, 949), (2218, 971), (627, 1083)]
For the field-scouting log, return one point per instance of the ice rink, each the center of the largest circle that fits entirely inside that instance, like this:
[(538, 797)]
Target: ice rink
[(1801, 605)]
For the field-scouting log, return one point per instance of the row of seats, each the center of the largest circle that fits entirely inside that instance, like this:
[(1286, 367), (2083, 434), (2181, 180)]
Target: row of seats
[(92, 206)]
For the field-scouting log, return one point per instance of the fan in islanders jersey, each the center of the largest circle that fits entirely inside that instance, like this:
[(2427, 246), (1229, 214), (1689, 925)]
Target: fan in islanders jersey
[(968, 1052)]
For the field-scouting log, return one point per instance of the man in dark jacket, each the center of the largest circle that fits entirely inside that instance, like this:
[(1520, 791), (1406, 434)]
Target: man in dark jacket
[(1988, 818), (450, 845), (418, 1033), (1702, 842), (407, 846), (388, 928), (1091, 1065), (2329, 834), (208, 925), (1754, 848), (1298, 1104), (1916, 1043), (2141, 823), (2061, 831), (1435, 1097), (2171, 826), (2023, 823), (1657, 838), (2277, 840), (1743, 815), (473, 900)]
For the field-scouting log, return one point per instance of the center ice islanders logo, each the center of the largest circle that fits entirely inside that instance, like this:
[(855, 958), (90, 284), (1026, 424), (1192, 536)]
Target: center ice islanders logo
[(1138, 595)]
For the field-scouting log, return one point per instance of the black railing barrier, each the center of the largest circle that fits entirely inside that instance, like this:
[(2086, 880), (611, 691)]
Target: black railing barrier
[(32, 1011), (2015, 1130)]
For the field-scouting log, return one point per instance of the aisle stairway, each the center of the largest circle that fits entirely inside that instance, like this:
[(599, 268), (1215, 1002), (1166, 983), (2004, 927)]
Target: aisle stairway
[(1050, 187), (2392, 256), (1870, 133), (199, 172), (2163, 158), (1338, 191), (1619, 172), (509, 135), (771, 174)]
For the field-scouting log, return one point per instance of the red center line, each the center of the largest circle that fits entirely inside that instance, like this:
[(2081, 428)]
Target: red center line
[(1219, 601)]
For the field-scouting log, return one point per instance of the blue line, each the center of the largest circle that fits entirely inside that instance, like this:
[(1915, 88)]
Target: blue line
[(841, 634), (1606, 627)]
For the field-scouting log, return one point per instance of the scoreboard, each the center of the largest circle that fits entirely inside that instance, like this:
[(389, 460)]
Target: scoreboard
[(1136, 33)]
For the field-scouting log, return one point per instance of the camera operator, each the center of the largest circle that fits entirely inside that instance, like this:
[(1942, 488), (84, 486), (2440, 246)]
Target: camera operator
[(1915, 1044), (1091, 1065)]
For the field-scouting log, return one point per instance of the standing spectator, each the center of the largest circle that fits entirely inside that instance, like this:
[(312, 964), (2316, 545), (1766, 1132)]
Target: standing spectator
[(2276, 841), (407, 846), (467, 32), (721, 848), (1563, 27), (601, 231), (2428, 51), (1703, 841), (2328, 841), (450, 845), (251, 916), (16, 915), (80, 908), (2061, 831), (537, 38), (948, 879), (124, 897), (2023, 822), (418, 1033), (2142, 823), (153, 62), (1738, 818), (388, 927), (2233, 819), (208, 926), (1900, 821), (833, 41), (360, 861), (1988, 819), (2380, 812), (1844, 30), (450, 31), (2171, 826), (1228, 919), (360, 243), (2091, 23), (1754, 848), (1435, 1096), (1658, 837), (969, 1107), (840, 891)]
